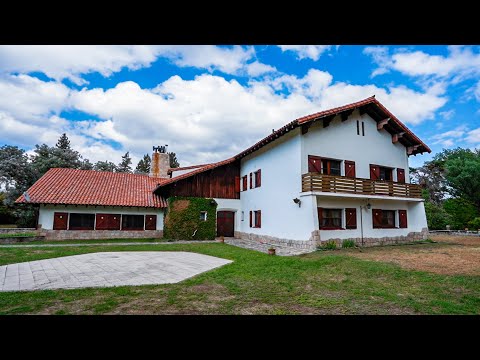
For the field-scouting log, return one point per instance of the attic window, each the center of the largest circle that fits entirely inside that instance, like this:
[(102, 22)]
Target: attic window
[(203, 216)]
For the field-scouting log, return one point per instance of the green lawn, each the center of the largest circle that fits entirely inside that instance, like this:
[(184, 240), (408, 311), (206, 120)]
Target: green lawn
[(255, 283), (98, 241)]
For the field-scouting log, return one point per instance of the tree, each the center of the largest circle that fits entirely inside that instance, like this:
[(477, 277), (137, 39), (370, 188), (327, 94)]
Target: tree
[(143, 166), (63, 143), (124, 165), (86, 165), (16, 172), (173, 160), (461, 212), (462, 173), (437, 217), (432, 178), (105, 166)]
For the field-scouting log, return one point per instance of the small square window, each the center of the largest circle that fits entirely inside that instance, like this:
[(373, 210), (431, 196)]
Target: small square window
[(203, 216)]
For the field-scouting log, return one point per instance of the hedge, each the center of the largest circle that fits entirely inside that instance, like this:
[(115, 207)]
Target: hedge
[(182, 219)]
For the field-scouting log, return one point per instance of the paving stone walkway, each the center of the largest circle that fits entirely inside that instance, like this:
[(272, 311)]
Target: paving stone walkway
[(254, 245), (106, 269)]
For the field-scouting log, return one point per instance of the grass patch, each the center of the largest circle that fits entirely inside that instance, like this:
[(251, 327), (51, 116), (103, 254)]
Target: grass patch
[(255, 283), (17, 235)]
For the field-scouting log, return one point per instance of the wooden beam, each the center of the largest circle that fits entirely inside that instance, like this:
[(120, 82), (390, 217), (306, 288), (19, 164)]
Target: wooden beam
[(382, 123), (411, 149), (362, 110), (305, 127), (327, 120), (396, 137), (344, 115)]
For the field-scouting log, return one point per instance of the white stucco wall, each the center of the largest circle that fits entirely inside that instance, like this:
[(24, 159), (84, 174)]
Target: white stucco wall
[(416, 219), (45, 217), (280, 163), (340, 141)]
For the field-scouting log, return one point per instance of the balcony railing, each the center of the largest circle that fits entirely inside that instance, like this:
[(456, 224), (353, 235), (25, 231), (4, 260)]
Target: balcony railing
[(342, 184)]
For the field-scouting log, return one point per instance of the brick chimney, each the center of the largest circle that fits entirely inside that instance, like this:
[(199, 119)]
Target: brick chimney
[(160, 162)]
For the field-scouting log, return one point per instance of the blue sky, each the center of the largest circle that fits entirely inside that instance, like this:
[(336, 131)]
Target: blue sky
[(210, 102)]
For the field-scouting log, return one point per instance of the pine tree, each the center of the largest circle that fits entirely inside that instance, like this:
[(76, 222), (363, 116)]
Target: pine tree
[(63, 142), (143, 166), (105, 166), (173, 160), (124, 165)]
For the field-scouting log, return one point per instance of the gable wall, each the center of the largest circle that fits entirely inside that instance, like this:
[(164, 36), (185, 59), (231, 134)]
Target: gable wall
[(340, 141)]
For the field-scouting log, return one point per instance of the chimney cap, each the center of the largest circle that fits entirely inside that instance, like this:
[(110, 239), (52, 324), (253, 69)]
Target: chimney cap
[(160, 149)]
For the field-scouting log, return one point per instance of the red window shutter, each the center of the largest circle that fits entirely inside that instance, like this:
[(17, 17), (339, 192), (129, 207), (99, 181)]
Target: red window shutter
[(377, 218), (320, 216), (251, 180), (245, 185), (251, 218), (402, 215), (400, 175), (101, 222), (374, 172), (150, 222), (259, 219), (60, 221), (258, 180), (114, 222), (314, 163), (237, 183), (351, 218), (350, 169)]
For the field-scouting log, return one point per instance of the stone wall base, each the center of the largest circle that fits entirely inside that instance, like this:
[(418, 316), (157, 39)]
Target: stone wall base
[(386, 240), (100, 234), (315, 240), (17, 230), (271, 240)]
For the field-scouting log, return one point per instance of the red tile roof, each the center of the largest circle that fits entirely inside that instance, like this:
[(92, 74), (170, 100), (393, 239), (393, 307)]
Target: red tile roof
[(421, 146), (88, 187)]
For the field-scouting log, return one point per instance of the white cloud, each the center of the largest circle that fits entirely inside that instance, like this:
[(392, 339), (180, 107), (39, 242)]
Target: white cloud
[(307, 51), (29, 98), (474, 136), (72, 61), (460, 63), (447, 115), (204, 119), (449, 138)]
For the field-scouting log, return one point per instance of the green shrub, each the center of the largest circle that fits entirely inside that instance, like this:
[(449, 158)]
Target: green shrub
[(348, 243), (182, 220), (329, 245), (474, 224)]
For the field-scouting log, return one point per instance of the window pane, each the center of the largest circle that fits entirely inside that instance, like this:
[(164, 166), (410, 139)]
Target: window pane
[(82, 221), (331, 218), (388, 218), (132, 222)]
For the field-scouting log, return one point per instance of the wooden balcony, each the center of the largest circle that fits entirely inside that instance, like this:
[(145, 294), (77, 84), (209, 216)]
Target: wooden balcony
[(342, 184)]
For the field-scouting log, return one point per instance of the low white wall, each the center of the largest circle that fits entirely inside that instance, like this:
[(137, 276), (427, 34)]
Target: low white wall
[(45, 216), (416, 219)]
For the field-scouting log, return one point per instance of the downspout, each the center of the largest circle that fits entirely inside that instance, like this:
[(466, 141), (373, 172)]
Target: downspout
[(361, 222)]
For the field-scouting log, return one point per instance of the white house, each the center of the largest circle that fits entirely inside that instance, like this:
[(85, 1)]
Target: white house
[(334, 175)]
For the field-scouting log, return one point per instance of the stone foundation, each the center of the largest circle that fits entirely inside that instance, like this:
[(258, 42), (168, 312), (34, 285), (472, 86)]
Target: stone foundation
[(100, 234), (271, 240), (386, 240), (315, 240), (17, 230)]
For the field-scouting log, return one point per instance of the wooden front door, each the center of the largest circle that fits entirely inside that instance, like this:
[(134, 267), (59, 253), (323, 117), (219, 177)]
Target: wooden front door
[(60, 221), (225, 223)]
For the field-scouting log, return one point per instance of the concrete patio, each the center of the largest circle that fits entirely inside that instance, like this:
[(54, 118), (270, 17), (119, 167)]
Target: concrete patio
[(106, 269)]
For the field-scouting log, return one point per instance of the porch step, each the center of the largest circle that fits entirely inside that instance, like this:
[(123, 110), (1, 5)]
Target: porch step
[(263, 247)]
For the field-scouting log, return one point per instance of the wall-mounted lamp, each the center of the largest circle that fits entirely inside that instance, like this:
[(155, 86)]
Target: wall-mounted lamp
[(297, 201), (369, 206)]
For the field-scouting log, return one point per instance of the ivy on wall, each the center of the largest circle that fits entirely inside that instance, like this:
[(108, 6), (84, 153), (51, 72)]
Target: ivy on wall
[(182, 219)]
